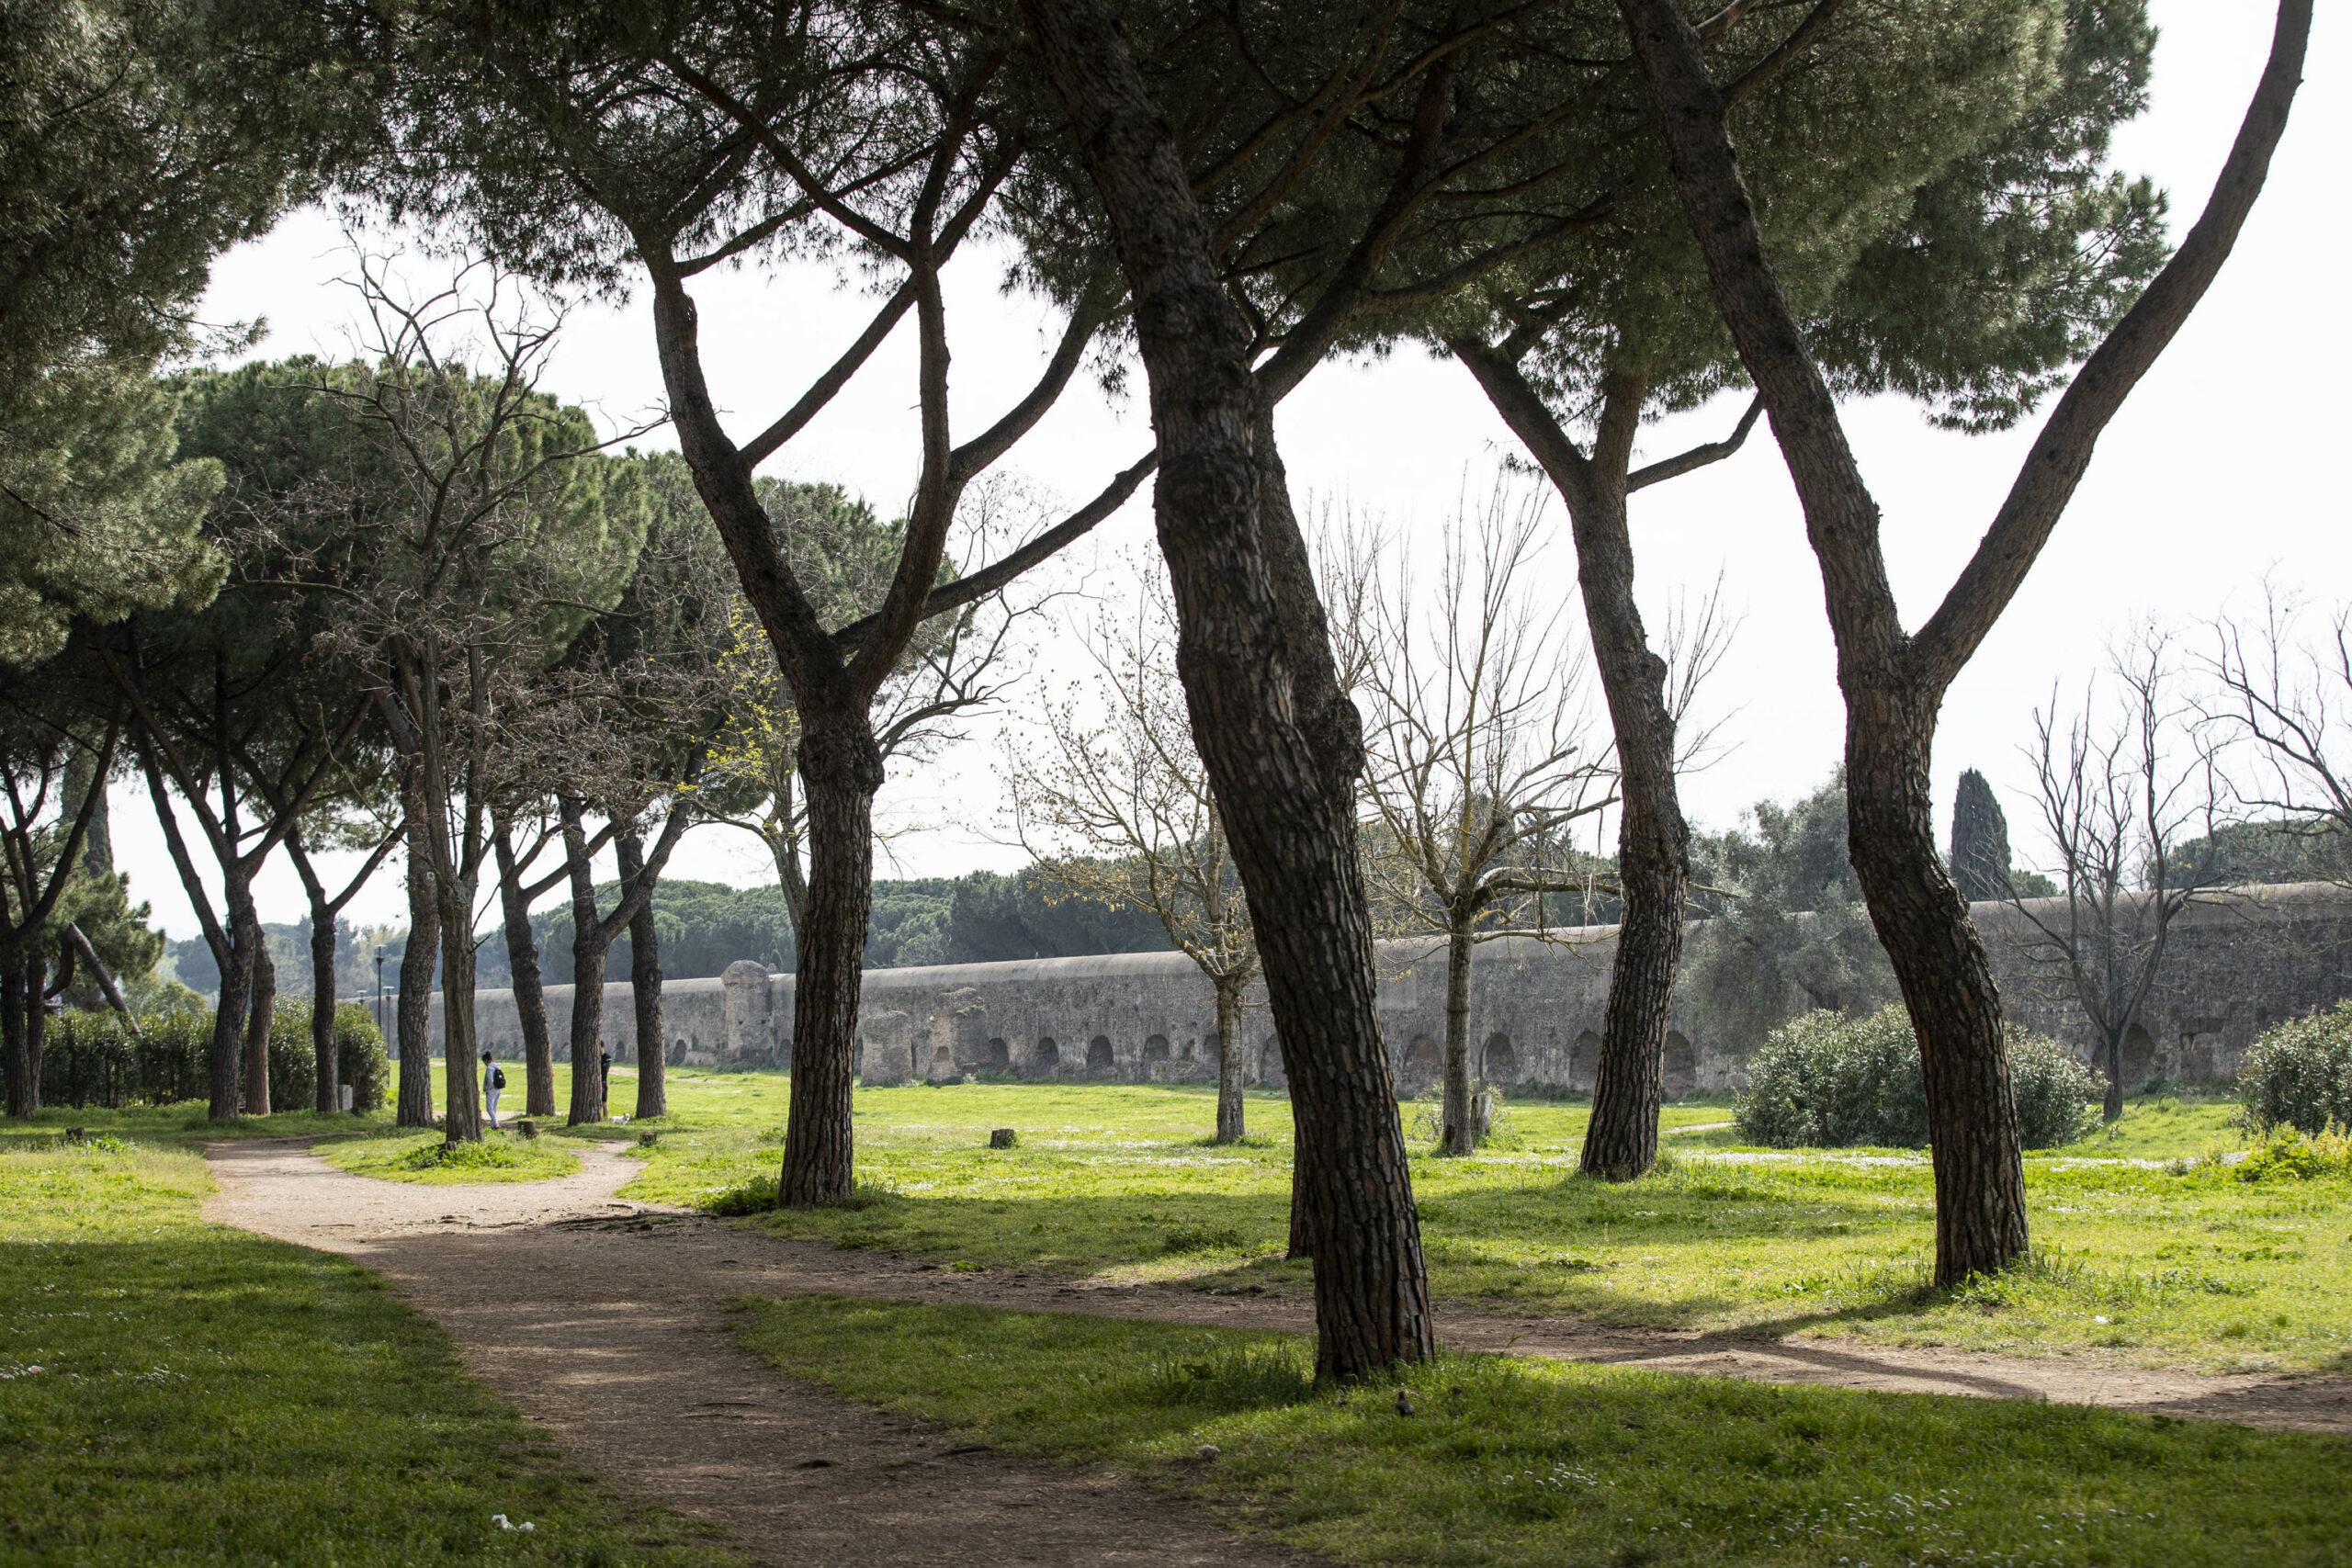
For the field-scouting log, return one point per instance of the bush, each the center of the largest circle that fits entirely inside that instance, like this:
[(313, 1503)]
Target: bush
[(360, 1057), (2289, 1156), (2299, 1075), (1829, 1082)]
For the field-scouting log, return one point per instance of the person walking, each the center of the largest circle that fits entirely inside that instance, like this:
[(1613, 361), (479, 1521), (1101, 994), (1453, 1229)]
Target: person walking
[(493, 1078), (604, 1080)]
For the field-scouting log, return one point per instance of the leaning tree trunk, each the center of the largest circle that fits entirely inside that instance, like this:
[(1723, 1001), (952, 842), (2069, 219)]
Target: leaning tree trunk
[(531, 990), (1282, 745), (1231, 1060), (1947, 983), (417, 966), (260, 1014), (841, 769), (645, 984), (460, 1060), (1458, 1135), (328, 1069)]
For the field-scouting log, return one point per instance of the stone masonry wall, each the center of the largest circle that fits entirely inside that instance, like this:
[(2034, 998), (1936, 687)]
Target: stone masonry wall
[(1535, 1008)]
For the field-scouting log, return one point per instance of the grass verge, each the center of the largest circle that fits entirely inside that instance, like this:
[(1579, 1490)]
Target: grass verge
[(174, 1391), (424, 1157), (1527, 1463)]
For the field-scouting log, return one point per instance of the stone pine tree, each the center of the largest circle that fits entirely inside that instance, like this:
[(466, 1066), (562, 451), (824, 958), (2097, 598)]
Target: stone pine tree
[(1115, 805), (1980, 840), (1895, 678), (1947, 157)]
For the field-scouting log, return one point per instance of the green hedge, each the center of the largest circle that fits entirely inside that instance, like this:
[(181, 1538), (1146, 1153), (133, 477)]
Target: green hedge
[(89, 1058), (1829, 1082), (2299, 1075)]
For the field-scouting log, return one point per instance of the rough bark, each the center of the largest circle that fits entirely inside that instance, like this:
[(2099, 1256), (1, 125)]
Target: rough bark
[(645, 983), (261, 1014), (841, 768), (530, 989), (1281, 749), (591, 940), (325, 1065), (1895, 680), (2111, 1057), (417, 966), (461, 1057), (24, 1083), (1458, 1135), (1232, 1060)]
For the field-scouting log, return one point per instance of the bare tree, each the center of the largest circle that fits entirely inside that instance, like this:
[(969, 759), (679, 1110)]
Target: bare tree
[(2283, 686), (1481, 750), (1117, 808), (1894, 678), (2130, 806)]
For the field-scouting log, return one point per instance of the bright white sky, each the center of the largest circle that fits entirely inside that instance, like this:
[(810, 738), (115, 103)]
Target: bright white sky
[(2217, 473)]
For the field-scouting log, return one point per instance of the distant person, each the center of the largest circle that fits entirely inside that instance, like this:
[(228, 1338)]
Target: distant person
[(605, 1078), (493, 1078)]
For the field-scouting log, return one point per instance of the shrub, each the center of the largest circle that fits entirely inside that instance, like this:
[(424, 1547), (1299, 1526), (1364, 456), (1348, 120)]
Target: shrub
[(2289, 1156), (360, 1057), (1827, 1080), (2299, 1075)]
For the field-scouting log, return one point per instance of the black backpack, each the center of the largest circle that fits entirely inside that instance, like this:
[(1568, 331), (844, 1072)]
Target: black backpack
[(497, 1077)]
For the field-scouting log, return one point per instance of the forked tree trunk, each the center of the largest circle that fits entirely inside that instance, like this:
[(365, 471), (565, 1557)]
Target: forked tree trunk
[(1457, 1136), (841, 768), (460, 1056), (325, 1067), (1231, 1061), (417, 966), (1946, 982), (530, 989), (1280, 745), (645, 984), (261, 1013)]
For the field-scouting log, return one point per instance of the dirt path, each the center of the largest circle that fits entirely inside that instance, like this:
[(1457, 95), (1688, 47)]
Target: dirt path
[(605, 1322)]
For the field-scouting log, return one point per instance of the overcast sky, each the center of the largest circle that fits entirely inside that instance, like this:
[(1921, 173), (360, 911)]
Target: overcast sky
[(2219, 470)]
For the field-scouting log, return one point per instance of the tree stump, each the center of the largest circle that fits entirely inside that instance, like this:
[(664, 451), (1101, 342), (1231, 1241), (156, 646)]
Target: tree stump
[(527, 1128), (77, 1135), (1003, 1138), (647, 1140)]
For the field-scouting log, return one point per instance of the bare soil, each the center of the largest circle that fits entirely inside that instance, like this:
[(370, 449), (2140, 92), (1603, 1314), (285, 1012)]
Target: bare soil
[(606, 1321)]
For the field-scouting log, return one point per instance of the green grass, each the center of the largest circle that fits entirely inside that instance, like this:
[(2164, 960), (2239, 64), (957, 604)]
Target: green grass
[(175, 1391), (422, 1156), (2137, 1260), (1518, 1462)]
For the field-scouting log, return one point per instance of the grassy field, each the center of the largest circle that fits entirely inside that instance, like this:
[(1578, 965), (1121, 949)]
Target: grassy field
[(174, 1391), (2149, 1248), (1525, 1463)]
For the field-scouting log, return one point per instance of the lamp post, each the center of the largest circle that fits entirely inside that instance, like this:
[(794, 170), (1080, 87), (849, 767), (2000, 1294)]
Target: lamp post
[(380, 991)]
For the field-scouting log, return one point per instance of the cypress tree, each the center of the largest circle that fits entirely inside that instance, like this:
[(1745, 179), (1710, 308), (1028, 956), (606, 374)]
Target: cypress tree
[(1980, 840)]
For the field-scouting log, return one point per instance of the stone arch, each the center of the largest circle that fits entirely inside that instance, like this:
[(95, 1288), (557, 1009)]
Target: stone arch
[(1100, 1062), (1584, 1063), (1501, 1059), (1270, 1062), (1680, 1065), (2139, 1056), (1422, 1063), (997, 1056), (1047, 1058), (1155, 1049)]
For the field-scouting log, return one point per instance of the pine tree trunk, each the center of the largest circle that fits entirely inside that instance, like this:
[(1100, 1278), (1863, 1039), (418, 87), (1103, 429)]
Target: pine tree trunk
[(236, 994), (1459, 1137), (530, 989), (1281, 746), (36, 1021), (586, 1033), (460, 1056), (1231, 1059), (418, 962), (1653, 871), (261, 1013), (1947, 983), (326, 1066), (645, 986), (24, 1086), (841, 768)]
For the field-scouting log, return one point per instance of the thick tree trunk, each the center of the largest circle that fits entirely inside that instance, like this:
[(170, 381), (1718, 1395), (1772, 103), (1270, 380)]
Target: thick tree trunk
[(236, 994), (1280, 745), (1947, 983), (645, 984), (2111, 1051), (590, 944), (24, 1085), (261, 1013), (417, 966), (328, 1068), (1458, 1136), (1653, 874), (1231, 1059), (841, 768), (531, 990), (462, 1058)]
